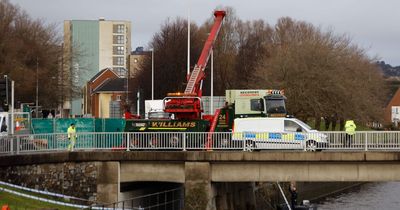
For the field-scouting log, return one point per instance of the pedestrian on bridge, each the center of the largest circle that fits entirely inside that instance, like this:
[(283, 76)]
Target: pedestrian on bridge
[(350, 127), (71, 137)]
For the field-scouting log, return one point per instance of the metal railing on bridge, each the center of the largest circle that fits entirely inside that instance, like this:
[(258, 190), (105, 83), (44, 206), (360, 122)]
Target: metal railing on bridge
[(183, 141)]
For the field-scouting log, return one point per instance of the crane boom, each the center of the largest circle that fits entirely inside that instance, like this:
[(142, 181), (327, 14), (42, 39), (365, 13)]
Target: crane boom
[(188, 104), (197, 75)]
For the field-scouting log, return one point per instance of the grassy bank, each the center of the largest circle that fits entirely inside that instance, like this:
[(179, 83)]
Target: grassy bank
[(19, 202)]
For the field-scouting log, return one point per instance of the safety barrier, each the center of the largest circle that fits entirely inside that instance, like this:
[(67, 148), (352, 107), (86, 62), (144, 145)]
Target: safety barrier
[(182, 141)]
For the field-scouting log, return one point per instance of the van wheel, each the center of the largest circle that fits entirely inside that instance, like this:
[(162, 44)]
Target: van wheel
[(311, 145), (249, 146)]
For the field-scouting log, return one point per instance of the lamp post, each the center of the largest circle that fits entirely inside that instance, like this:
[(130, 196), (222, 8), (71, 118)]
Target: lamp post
[(127, 86), (37, 87), (152, 74), (212, 83)]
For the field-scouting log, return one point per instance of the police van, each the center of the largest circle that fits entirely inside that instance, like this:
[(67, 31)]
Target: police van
[(277, 133)]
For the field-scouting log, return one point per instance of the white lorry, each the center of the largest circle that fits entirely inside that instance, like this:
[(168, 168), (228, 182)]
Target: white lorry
[(277, 133)]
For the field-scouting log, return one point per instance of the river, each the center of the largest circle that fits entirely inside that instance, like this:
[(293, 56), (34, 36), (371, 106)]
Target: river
[(382, 196)]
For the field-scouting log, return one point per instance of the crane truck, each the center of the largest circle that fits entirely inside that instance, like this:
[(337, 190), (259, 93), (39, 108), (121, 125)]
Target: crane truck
[(187, 107)]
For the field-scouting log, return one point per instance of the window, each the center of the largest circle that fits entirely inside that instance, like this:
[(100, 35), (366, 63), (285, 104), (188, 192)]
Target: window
[(118, 61), (275, 106), (119, 28), (122, 72), (291, 126), (118, 39), (118, 50), (118, 97), (256, 105)]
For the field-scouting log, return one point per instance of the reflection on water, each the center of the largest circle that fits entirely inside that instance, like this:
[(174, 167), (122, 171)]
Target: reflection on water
[(382, 196)]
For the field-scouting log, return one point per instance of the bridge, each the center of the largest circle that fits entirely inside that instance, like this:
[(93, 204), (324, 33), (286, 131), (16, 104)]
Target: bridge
[(105, 163)]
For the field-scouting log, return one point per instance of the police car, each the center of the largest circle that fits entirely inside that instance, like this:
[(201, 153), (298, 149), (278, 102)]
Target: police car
[(277, 133)]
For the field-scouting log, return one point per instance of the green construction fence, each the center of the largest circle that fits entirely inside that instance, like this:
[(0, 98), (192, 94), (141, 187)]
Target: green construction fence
[(83, 125)]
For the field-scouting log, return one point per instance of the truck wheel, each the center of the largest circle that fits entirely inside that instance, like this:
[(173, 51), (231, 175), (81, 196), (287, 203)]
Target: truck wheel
[(249, 146), (311, 145)]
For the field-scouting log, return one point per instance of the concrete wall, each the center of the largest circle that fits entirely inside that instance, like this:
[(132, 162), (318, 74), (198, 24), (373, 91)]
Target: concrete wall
[(69, 178), (94, 181)]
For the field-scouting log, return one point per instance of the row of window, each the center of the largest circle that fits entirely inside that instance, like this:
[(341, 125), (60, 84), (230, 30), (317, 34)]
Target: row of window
[(122, 72), (119, 28), (118, 50), (118, 39), (118, 61)]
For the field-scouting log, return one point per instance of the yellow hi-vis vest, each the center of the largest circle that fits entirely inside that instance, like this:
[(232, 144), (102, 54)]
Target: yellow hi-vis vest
[(350, 127), (71, 132)]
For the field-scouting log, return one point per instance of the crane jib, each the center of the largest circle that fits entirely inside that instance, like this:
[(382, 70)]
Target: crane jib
[(185, 106)]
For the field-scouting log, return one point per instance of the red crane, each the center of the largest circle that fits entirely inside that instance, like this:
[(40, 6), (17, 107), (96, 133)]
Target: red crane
[(187, 105)]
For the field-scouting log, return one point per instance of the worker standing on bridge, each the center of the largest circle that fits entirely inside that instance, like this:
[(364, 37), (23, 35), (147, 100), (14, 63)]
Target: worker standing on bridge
[(71, 137), (350, 127)]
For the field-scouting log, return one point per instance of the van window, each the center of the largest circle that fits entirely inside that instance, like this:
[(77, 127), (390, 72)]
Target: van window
[(291, 126)]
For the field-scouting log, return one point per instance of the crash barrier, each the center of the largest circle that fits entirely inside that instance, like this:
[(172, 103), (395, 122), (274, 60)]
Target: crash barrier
[(169, 199), (246, 141)]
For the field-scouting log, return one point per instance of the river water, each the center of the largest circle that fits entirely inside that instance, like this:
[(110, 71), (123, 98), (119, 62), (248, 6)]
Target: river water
[(381, 196)]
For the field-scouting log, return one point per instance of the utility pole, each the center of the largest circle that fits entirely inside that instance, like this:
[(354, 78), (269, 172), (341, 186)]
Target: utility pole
[(152, 74), (12, 108)]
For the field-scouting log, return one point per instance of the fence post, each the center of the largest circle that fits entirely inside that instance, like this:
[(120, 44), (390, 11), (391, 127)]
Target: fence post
[(18, 142), (127, 141), (184, 141), (243, 142), (11, 145), (366, 141)]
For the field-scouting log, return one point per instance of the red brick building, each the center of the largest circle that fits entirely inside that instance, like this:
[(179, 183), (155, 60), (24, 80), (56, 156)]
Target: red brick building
[(104, 94), (392, 110)]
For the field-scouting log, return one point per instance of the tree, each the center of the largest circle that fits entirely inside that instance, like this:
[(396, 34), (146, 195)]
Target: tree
[(169, 58), (27, 46), (323, 74)]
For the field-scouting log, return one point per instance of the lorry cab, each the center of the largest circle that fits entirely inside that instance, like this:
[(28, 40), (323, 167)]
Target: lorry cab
[(257, 103), (277, 133)]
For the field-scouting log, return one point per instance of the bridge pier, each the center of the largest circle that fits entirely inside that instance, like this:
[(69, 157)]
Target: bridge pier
[(198, 189), (201, 193), (108, 180)]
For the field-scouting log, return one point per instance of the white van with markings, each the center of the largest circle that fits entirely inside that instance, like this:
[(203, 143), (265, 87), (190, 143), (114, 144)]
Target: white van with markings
[(276, 133)]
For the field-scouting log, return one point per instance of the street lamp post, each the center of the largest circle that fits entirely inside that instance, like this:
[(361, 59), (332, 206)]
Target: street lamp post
[(37, 87), (212, 83), (127, 87), (152, 74)]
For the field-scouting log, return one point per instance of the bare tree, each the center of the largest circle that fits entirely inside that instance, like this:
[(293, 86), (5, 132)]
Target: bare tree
[(26, 44), (322, 74), (169, 59)]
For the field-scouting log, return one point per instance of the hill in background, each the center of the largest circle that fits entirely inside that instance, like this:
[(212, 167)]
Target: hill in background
[(388, 70)]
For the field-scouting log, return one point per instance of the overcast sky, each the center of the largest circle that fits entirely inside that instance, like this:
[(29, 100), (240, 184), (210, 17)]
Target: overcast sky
[(372, 24)]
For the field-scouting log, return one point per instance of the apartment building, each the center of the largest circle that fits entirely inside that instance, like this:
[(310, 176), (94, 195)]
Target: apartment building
[(92, 45)]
